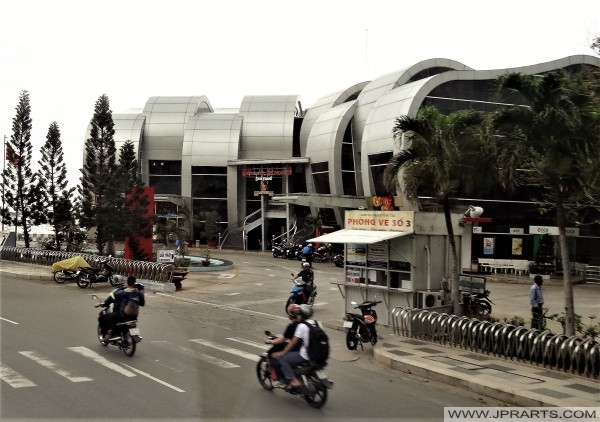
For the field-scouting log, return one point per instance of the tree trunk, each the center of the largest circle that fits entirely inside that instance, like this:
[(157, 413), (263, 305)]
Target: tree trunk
[(454, 292), (567, 282)]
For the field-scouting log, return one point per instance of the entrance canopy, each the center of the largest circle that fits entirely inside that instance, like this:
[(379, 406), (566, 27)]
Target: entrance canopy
[(357, 236)]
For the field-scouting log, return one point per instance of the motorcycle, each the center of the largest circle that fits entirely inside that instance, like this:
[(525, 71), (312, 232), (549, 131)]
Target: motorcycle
[(68, 269), (324, 253), (314, 381), (125, 335), (299, 295), (92, 275), (361, 327), (278, 250), (477, 304)]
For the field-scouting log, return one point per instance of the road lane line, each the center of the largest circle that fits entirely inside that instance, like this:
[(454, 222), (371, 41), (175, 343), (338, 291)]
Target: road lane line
[(84, 351), (8, 320), (232, 294), (166, 384), (250, 343), (226, 349), (221, 306), (38, 358), (196, 354), (13, 378)]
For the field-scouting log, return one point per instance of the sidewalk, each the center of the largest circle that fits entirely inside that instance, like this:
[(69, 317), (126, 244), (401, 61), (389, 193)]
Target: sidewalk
[(519, 384)]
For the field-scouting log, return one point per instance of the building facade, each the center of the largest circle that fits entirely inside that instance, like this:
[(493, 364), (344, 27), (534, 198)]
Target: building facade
[(269, 163)]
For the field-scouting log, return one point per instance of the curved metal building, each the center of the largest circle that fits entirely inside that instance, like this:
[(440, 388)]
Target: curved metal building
[(270, 163)]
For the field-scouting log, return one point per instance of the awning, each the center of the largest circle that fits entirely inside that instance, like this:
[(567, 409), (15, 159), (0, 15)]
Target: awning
[(357, 236)]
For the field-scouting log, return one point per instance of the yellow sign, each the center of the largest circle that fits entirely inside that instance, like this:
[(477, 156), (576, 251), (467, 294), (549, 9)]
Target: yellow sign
[(400, 221)]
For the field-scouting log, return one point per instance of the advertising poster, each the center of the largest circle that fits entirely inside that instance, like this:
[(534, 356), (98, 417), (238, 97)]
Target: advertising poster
[(377, 255), (517, 246), (356, 254), (488, 246)]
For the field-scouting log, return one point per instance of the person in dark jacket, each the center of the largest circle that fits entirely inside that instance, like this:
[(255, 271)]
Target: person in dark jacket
[(122, 298)]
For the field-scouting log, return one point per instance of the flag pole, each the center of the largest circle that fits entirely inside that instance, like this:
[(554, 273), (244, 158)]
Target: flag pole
[(3, 169)]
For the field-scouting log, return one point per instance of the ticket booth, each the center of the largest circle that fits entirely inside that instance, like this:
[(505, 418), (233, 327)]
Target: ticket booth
[(398, 257)]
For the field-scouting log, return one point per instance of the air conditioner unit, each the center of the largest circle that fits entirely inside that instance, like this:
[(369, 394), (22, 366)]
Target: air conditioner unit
[(432, 299)]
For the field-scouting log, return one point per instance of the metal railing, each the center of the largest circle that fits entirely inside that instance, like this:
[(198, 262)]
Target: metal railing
[(528, 345), (152, 271), (592, 273)]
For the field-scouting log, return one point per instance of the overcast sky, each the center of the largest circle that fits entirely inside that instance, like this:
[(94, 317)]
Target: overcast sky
[(67, 53)]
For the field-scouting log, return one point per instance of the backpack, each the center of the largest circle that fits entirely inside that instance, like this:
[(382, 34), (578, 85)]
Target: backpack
[(318, 344)]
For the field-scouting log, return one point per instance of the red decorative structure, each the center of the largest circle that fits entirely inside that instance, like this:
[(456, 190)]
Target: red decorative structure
[(145, 242)]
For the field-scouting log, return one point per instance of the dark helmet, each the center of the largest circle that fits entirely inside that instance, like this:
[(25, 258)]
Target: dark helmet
[(139, 286), (118, 283)]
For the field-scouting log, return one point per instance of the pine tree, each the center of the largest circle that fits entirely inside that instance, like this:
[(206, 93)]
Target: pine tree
[(23, 194), (53, 179), (98, 190)]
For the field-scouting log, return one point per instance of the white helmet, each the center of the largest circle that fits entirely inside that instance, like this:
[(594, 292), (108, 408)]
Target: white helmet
[(305, 310), (305, 265)]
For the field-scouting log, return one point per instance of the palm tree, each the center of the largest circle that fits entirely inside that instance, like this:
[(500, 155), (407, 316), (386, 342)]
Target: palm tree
[(550, 138), (443, 154)]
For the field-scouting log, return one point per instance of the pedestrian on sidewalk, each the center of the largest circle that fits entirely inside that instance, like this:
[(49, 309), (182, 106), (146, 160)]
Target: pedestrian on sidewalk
[(536, 299)]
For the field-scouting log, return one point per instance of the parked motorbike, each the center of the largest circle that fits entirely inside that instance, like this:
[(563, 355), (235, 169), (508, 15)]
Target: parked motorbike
[(96, 275), (61, 276), (324, 253), (68, 269), (361, 327), (477, 304), (313, 378), (278, 250), (125, 335), (299, 295)]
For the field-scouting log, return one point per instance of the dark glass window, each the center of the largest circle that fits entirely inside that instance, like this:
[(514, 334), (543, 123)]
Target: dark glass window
[(166, 185), (378, 162), (209, 186), (319, 167), (322, 183), (209, 170), (164, 167), (347, 157), (349, 181)]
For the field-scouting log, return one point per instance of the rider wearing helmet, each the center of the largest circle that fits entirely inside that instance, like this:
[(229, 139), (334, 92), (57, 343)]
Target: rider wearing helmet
[(308, 252), (286, 360), (308, 276), (280, 341)]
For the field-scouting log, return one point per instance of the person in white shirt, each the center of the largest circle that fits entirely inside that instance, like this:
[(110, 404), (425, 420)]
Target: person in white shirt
[(288, 359)]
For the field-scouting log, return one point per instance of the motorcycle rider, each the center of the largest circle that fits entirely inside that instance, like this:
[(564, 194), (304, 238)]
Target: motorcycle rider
[(280, 341), (308, 252), (133, 291), (308, 276), (286, 360)]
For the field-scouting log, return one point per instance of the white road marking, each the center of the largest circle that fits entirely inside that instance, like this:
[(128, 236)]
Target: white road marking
[(166, 384), (321, 303), (226, 349), (84, 351), (226, 275), (258, 284), (38, 358), (221, 306), (250, 343), (196, 354), (232, 294), (13, 378), (8, 320)]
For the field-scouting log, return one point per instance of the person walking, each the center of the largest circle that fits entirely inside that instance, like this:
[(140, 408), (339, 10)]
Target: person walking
[(536, 300)]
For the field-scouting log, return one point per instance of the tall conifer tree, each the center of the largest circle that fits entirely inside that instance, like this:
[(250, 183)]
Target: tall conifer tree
[(23, 196), (99, 193), (53, 181)]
